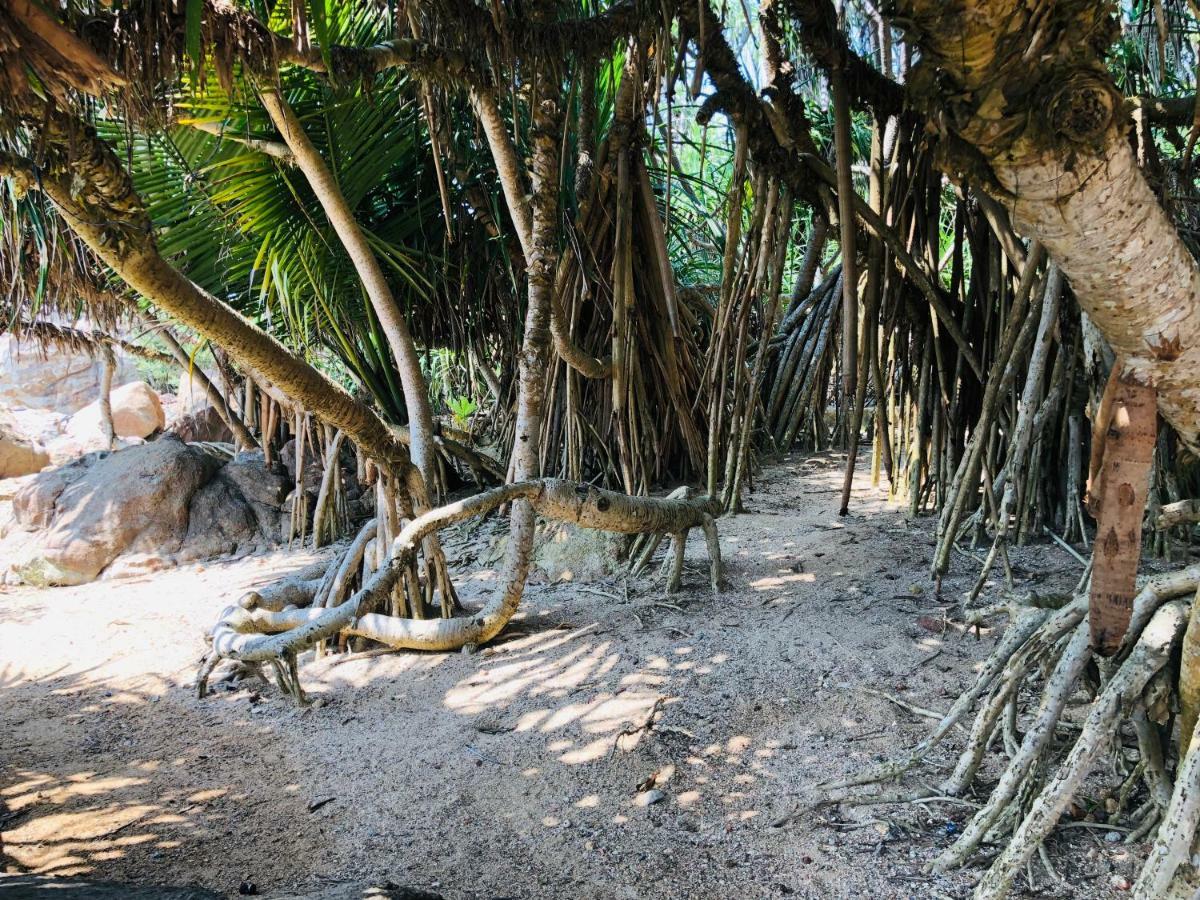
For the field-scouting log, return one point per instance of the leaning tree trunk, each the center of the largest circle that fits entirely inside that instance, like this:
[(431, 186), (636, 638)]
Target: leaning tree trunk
[(533, 358), (399, 338), (1029, 113), (242, 437), (110, 218), (108, 364), (1058, 156)]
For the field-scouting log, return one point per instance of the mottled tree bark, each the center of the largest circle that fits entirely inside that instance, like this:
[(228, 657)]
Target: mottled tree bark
[(1029, 113), (1118, 499)]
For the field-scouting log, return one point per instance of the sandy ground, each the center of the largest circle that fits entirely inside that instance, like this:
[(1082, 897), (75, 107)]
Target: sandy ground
[(515, 772)]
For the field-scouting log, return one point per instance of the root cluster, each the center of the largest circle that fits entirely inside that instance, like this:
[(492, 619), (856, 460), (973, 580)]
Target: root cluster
[(1048, 763), (276, 624)]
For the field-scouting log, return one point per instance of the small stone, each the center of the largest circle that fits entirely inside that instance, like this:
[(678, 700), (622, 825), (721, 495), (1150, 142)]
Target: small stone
[(1113, 837), (1120, 883), (649, 798)]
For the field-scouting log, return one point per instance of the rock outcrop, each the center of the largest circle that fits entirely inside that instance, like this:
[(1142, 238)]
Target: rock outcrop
[(143, 508), (50, 378), (203, 425), (136, 413), (19, 456)]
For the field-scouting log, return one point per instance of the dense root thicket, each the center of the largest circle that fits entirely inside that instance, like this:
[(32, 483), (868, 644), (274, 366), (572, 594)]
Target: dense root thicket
[(971, 358), (1050, 753), (275, 624)]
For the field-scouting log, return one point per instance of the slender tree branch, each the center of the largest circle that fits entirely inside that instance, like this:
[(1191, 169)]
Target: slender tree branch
[(817, 26)]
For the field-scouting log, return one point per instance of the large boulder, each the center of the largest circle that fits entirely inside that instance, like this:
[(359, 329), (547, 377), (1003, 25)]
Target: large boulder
[(566, 552), (314, 465), (19, 456), (143, 508), (264, 495), (35, 503), (34, 426), (203, 425), (52, 378), (136, 413)]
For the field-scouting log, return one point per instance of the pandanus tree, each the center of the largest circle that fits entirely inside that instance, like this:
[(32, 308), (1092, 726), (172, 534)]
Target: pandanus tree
[(1025, 110), (1005, 265), (64, 158)]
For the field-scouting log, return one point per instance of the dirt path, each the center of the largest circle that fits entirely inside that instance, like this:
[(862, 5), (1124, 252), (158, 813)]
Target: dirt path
[(514, 772)]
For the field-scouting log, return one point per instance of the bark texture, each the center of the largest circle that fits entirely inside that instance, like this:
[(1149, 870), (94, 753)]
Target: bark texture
[(399, 338), (108, 216), (1028, 111), (259, 633), (1119, 501)]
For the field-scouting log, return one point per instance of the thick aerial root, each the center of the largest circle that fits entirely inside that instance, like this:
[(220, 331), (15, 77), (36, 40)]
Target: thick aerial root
[(1148, 656), (1042, 643), (1042, 777), (297, 589), (287, 674), (1173, 846), (673, 564), (648, 541), (641, 551), (1058, 690), (255, 632), (332, 590)]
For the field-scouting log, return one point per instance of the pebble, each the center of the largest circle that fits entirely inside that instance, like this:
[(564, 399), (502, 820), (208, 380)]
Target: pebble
[(1113, 837), (1120, 883), (649, 798)]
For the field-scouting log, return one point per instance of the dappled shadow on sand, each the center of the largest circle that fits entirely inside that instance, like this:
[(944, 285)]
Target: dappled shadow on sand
[(544, 749), (77, 819), (617, 710)]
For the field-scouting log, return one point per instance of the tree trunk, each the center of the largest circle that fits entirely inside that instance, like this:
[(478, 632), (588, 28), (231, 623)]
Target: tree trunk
[(108, 364), (1060, 160), (242, 437), (133, 255), (416, 394), (846, 224), (1119, 501)]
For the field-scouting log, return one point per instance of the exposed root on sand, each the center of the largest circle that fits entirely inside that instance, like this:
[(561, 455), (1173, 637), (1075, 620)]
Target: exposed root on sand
[(1048, 763), (276, 624)]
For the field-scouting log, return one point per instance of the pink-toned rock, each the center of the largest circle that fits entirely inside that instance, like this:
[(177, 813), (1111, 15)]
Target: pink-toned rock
[(205, 424), (19, 457), (136, 411), (141, 509), (20, 454), (51, 378)]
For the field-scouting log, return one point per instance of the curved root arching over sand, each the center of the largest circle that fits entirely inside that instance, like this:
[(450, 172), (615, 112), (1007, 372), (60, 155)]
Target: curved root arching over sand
[(1048, 763), (277, 623)]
